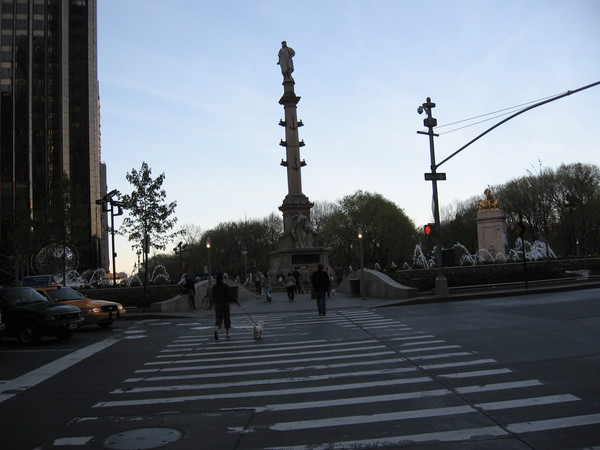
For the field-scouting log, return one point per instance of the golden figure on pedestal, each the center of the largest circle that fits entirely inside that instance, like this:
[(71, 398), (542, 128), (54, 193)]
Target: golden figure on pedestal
[(490, 202)]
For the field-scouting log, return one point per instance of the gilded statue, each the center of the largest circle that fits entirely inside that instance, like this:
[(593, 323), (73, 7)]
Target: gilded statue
[(490, 202)]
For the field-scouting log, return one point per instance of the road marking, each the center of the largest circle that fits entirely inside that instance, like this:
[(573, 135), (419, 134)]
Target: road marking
[(458, 364), (47, 371), (440, 356), (498, 386), (274, 355), (277, 348), (246, 373), (553, 424), (196, 387), (371, 418), (238, 395), (476, 373), (351, 401), (443, 436), (524, 402), (408, 344), (409, 338), (260, 363), (428, 349), (76, 440)]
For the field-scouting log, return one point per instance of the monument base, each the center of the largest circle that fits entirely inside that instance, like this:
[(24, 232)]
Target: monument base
[(290, 258), (492, 236)]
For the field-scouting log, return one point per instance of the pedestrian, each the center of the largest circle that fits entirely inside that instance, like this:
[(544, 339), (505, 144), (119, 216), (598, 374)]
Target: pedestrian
[(189, 289), (290, 286), (320, 283), (266, 288), (222, 299), (304, 280), (257, 283), (296, 275)]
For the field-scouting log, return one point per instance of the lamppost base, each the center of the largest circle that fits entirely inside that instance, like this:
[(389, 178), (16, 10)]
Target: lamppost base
[(441, 286)]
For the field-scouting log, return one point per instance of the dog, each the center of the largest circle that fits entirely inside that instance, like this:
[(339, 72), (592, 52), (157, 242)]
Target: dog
[(257, 329)]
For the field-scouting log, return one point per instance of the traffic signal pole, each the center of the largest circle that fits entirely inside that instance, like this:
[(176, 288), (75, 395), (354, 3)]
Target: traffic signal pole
[(441, 283)]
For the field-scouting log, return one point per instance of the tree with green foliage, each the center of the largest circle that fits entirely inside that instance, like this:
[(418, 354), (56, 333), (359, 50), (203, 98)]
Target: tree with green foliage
[(148, 213), (389, 235)]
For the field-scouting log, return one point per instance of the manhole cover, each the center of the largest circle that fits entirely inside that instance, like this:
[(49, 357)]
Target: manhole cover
[(142, 438)]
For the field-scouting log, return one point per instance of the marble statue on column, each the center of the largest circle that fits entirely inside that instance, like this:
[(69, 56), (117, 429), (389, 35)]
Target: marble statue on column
[(285, 61)]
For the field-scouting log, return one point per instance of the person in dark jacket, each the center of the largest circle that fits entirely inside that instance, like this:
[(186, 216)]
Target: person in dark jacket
[(320, 283), (221, 299), (190, 290)]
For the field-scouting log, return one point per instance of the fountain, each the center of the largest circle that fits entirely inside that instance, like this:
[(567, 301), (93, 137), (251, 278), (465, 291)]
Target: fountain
[(534, 251)]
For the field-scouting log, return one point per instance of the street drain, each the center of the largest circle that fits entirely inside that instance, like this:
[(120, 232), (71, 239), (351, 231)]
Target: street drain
[(142, 438)]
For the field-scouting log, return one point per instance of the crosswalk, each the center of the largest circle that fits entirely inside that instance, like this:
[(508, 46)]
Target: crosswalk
[(378, 383)]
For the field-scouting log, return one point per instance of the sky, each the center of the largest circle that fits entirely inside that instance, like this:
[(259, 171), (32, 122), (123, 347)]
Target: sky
[(192, 88)]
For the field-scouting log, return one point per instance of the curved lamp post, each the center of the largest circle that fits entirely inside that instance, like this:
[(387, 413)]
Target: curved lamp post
[(208, 251), (362, 262)]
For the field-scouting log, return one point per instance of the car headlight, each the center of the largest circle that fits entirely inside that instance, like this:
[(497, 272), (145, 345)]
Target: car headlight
[(90, 310), (50, 318), (119, 307)]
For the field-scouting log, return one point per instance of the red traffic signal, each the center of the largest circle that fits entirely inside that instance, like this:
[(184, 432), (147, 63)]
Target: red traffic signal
[(429, 229)]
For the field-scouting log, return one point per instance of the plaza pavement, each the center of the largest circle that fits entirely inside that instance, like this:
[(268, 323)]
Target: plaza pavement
[(303, 302)]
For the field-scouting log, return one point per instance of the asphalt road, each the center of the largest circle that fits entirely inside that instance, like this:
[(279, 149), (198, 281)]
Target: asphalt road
[(516, 372)]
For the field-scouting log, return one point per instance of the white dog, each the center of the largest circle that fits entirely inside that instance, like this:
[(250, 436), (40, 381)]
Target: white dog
[(257, 329)]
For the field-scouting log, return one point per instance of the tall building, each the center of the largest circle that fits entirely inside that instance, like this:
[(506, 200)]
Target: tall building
[(50, 167)]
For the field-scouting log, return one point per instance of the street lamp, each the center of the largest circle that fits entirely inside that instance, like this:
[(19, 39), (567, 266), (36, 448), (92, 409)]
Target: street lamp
[(441, 284), (105, 201), (208, 251), (362, 262), (181, 247)]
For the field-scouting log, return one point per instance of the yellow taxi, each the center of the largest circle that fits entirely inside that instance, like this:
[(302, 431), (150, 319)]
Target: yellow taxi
[(94, 312)]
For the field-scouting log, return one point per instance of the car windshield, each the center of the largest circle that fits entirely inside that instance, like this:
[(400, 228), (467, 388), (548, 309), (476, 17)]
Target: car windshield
[(60, 295), (21, 295)]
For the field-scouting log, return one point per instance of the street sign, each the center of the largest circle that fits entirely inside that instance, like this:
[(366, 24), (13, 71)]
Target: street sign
[(435, 176)]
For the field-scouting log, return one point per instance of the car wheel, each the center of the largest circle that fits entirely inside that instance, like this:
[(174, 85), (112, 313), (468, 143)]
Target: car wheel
[(63, 335), (28, 334), (105, 324)]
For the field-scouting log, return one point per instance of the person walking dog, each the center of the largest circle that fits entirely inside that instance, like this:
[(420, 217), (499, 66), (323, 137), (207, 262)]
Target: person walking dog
[(222, 312)]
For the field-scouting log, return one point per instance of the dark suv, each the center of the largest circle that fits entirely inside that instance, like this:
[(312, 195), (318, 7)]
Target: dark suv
[(29, 315)]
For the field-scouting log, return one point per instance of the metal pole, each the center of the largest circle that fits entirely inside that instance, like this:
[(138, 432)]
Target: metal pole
[(441, 284), (114, 254), (208, 244), (362, 263)]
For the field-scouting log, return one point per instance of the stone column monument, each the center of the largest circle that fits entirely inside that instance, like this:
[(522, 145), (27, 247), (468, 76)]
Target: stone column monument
[(491, 228), (298, 245)]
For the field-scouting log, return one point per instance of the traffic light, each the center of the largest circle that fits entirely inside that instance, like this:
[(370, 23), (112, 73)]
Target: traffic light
[(429, 230)]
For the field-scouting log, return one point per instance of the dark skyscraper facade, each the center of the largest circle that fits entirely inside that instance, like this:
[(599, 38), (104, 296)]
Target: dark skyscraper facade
[(50, 167)]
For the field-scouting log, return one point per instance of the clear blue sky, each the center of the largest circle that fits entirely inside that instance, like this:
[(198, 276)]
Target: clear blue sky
[(192, 88)]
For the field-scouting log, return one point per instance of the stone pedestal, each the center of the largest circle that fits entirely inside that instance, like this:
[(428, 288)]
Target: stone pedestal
[(290, 258), (492, 234)]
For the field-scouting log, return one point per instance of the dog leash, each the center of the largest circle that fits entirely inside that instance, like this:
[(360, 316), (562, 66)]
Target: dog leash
[(249, 316)]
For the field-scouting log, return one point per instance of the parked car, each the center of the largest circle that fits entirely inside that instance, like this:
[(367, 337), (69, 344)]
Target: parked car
[(28, 315), (94, 312)]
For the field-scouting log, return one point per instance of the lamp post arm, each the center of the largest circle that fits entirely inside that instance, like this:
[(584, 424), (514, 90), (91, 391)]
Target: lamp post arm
[(515, 115)]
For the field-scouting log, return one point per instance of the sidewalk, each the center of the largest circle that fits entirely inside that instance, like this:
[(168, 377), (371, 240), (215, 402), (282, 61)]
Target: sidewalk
[(303, 302)]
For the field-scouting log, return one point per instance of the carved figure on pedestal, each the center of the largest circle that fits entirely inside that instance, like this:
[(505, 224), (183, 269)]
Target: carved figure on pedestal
[(285, 61), (302, 231)]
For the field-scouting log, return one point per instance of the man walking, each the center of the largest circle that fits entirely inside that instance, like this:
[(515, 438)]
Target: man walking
[(320, 283)]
